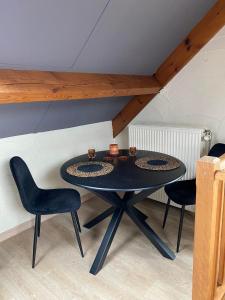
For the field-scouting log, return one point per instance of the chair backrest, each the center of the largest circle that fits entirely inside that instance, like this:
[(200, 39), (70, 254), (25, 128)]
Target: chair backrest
[(217, 150), (26, 185)]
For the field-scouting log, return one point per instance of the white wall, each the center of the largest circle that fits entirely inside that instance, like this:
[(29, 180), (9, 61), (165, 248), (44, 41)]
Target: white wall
[(44, 153), (196, 96)]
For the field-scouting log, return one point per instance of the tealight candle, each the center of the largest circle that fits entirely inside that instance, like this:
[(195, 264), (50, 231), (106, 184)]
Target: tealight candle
[(113, 149)]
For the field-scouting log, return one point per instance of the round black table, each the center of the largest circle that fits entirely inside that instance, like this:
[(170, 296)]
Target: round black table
[(125, 177)]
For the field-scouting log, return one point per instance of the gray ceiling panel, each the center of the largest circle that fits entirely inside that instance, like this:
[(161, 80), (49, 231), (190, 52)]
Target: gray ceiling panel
[(134, 36), (16, 119), (45, 33), (65, 114)]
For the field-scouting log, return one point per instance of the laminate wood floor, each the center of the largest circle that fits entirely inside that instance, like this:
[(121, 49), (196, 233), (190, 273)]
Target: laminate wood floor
[(134, 270)]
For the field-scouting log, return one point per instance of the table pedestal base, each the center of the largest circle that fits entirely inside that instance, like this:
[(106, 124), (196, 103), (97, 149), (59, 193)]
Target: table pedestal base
[(108, 212), (119, 206)]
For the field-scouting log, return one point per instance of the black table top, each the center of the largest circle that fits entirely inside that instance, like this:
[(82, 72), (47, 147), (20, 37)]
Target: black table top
[(126, 176)]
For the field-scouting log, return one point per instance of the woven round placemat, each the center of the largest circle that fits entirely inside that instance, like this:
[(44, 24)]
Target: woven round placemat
[(157, 162), (90, 169)]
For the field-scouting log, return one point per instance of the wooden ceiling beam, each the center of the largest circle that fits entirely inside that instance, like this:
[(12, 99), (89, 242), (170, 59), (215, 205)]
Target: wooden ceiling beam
[(132, 108), (31, 86), (213, 21)]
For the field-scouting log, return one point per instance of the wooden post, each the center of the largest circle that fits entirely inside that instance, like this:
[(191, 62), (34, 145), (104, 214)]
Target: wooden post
[(207, 229), (221, 261)]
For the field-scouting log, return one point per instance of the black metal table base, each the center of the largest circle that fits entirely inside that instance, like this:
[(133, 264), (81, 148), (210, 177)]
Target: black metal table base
[(119, 206), (108, 212)]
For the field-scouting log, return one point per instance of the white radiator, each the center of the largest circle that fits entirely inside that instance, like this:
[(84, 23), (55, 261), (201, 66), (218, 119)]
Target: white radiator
[(187, 144)]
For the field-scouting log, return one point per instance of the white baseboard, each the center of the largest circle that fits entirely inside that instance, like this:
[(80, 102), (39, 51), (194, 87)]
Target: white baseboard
[(29, 224)]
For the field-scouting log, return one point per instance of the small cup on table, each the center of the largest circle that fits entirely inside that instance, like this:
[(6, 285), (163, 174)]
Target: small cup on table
[(132, 151), (91, 153)]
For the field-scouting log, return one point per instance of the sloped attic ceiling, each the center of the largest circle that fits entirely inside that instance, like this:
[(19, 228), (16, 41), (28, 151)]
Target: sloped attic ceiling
[(107, 36)]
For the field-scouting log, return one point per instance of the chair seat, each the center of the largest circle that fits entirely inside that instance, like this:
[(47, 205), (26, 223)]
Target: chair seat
[(54, 201), (182, 192)]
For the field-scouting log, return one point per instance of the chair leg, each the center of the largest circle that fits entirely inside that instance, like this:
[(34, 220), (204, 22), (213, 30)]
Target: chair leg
[(39, 225), (35, 240), (180, 226), (166, 212), (78, 222), (73, 215)]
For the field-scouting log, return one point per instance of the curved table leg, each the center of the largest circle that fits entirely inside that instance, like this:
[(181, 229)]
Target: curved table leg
[(107, 241)]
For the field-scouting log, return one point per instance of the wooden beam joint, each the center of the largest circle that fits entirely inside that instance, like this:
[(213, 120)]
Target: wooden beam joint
[(213, 21)]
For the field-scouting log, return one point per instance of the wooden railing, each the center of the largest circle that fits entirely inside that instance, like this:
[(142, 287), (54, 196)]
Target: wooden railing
[(209, 240)]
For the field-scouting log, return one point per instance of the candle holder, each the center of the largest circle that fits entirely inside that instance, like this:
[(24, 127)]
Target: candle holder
[(123, 157), (113, 149), (108, 158), (132, 151), (91, 153)]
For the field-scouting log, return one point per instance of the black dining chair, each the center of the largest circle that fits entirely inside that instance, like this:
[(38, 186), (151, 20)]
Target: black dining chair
[(40, 202), (184, 192)]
